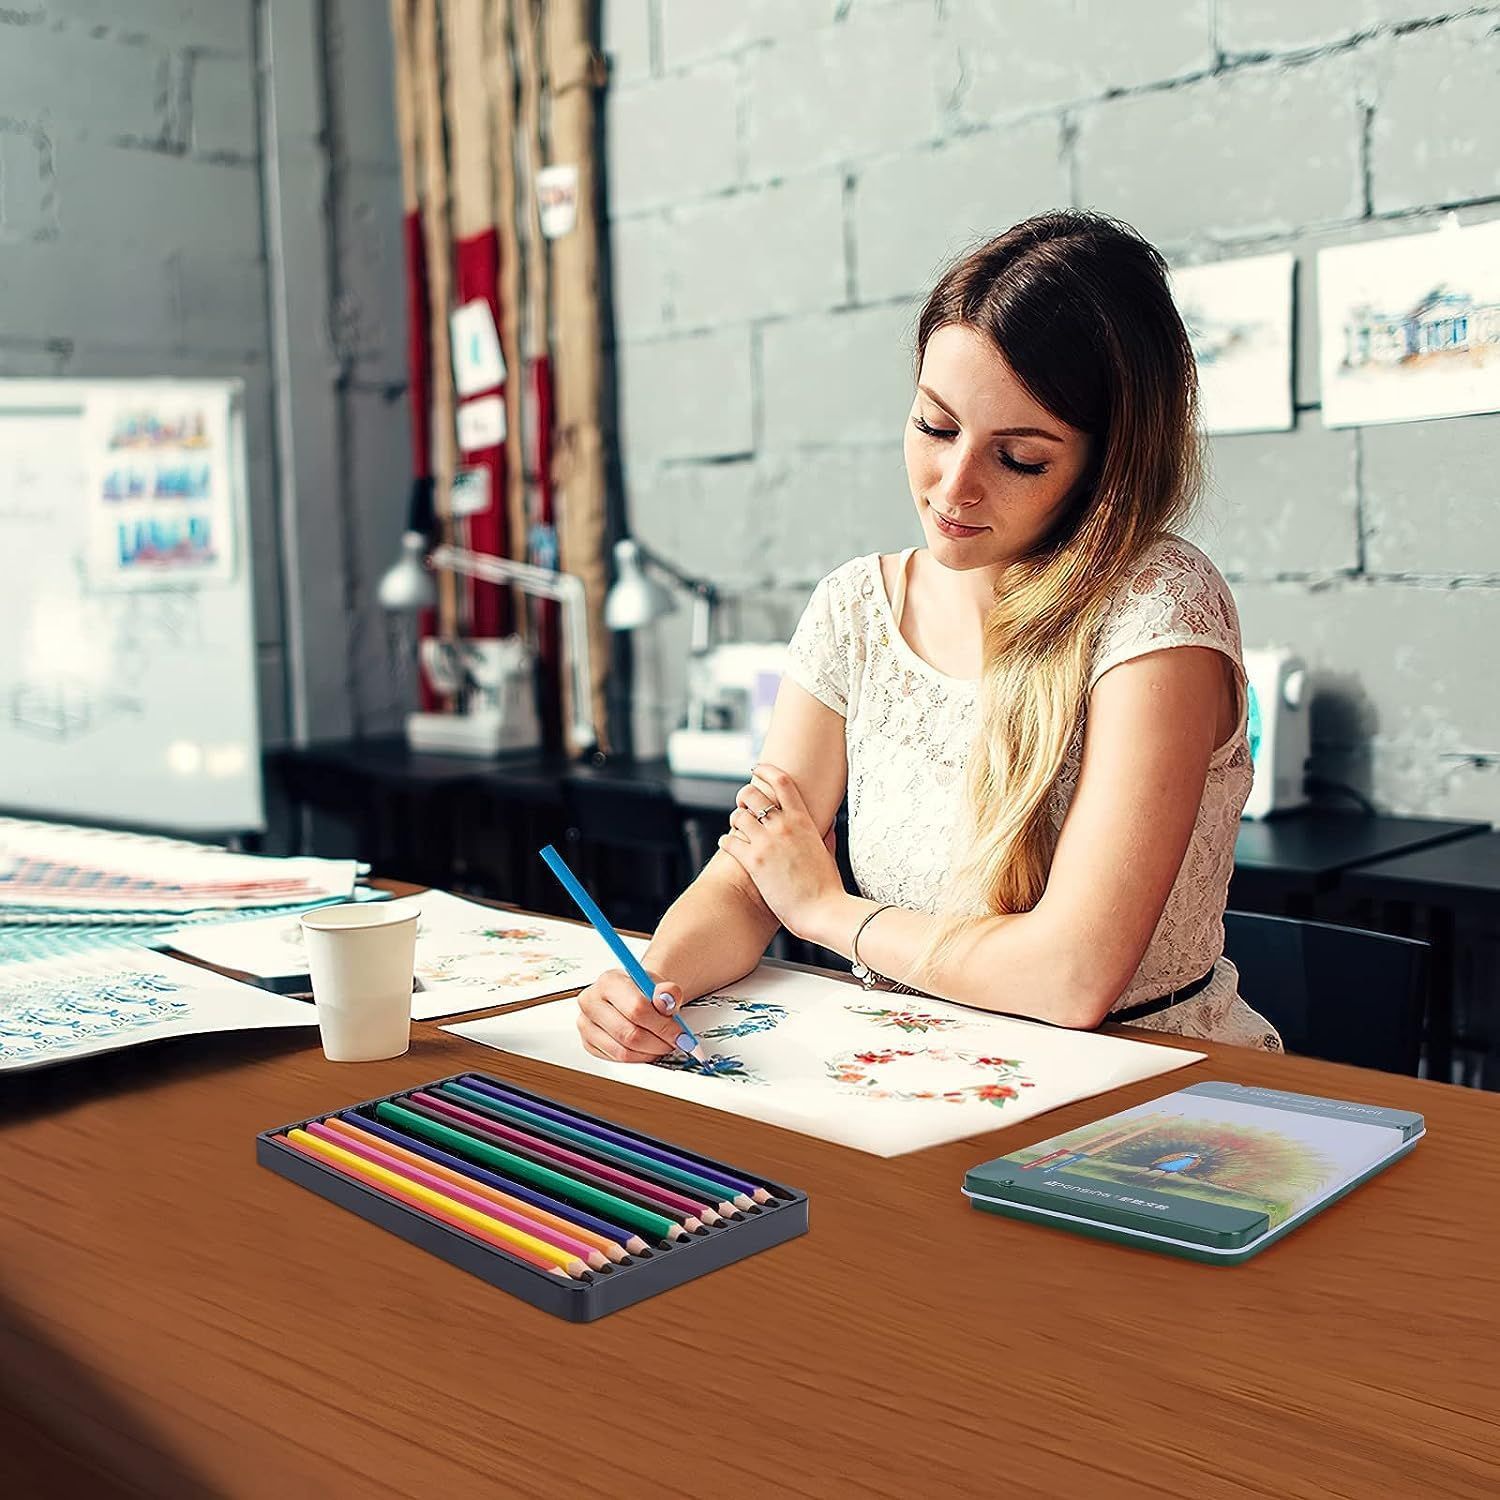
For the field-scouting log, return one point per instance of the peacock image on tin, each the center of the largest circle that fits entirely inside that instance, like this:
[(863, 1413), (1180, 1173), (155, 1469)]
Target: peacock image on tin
[(1216, 1161)]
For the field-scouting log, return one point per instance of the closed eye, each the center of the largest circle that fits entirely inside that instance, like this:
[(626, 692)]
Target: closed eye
[(937, 432), (943, 433)]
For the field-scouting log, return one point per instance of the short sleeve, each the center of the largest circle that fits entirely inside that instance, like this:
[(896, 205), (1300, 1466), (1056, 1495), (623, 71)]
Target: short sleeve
[(818, 654), (1175, 597)]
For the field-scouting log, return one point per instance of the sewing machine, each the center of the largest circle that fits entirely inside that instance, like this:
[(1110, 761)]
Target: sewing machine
[(1280, 730), (731, 692)]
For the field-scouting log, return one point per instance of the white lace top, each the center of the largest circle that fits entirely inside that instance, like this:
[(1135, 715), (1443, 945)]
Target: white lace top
[(908, 728)]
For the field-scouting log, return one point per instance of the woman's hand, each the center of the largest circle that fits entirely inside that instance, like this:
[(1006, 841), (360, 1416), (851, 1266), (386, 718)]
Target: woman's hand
[(778, 845), (617, 1022)]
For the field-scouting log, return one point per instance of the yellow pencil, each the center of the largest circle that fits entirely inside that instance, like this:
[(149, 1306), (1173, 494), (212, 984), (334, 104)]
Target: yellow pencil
[(527, 1246), (606, 1247)]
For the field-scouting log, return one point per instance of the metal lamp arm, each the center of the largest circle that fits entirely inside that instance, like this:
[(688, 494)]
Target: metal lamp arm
[(567, 589), (705, 597), (693, 585)]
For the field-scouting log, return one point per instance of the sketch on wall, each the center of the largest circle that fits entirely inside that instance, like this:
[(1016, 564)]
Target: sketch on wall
[(1238, 314), (1409, 328)]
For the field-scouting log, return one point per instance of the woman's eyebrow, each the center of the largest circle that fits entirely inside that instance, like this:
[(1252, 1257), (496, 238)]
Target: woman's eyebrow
[(1040, 432)]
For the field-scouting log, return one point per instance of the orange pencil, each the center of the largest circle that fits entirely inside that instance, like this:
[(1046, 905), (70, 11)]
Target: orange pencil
[(524, 1246), (596, 1244)]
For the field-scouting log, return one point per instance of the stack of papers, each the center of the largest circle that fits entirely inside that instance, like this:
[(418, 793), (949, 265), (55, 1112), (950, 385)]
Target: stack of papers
[(469, 956), (60, 874), (59, 1009)]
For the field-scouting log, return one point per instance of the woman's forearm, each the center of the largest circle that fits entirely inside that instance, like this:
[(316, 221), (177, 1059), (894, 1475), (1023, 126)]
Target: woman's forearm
[(1015, 964), (715, 932)]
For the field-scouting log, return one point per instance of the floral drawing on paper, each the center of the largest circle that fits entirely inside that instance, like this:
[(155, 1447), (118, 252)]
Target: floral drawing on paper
[(479, 969), (966, 1077), (721, 1065), (512, 934), (755, 1016), (44, 1015), (906, 1020)]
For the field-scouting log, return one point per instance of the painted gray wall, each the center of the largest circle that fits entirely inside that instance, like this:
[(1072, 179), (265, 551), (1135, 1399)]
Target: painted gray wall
[(786, 178), (211, 188)]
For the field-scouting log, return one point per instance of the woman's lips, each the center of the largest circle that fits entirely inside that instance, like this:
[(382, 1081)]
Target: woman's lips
[(953, 528)]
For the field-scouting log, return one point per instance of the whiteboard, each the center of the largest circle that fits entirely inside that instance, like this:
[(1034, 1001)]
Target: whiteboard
[(128, 698)]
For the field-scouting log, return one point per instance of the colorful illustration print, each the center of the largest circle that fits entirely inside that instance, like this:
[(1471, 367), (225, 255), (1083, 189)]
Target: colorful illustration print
[(759, 1015), (1238, 1165), (741, 1018), (49, 1015), (864, 1074), (480, 969), (906, 1020), (721, 1065)]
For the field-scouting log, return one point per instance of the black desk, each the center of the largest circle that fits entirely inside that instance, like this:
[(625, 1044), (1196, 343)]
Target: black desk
[(1445, 882), (1282, 864), (639, 834)]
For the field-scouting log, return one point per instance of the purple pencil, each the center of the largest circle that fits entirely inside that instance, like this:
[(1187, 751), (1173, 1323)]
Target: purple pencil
[(580, 1122)]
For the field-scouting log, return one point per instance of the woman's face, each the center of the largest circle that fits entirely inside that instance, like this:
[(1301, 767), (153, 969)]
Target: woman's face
[(990, 469)]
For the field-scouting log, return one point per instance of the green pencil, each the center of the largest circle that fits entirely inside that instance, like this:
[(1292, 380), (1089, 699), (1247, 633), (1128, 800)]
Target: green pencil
[(566, 1187)]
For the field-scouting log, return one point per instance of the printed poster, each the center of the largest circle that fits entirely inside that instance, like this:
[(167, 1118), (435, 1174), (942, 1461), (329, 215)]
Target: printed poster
[(1238, 315), (161, 503), (1410, 327)]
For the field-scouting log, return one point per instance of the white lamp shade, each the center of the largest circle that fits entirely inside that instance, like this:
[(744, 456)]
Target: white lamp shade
[(634, 599), (408, 585)]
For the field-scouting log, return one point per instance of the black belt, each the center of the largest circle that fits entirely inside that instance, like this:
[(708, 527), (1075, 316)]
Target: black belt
[(1165, 1002)]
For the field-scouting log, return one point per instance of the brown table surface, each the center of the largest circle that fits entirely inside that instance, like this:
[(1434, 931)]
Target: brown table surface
[(175, 1320)]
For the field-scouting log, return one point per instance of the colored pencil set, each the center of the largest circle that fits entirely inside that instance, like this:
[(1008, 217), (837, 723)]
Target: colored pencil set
[(578, 1215)]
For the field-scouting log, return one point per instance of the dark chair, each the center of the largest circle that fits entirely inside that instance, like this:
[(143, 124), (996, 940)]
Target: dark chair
[(1338, 993), (629, 847)]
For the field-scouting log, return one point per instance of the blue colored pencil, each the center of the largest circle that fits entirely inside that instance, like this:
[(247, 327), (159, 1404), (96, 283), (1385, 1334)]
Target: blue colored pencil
[(619, 1138), (628, 961)]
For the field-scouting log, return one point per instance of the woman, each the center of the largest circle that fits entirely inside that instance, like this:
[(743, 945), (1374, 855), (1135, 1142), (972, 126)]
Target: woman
[(1039, 719)]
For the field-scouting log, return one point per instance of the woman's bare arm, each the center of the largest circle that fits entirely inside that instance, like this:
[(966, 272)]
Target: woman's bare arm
[(719, 928), (1152, 727)]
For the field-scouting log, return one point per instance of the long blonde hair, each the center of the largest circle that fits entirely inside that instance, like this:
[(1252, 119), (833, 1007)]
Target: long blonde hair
[(1080, 307)]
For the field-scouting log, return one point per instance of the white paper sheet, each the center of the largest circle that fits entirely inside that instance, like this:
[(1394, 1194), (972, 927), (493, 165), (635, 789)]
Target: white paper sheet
[(882, 1073), (469, 956), (55, 1010)]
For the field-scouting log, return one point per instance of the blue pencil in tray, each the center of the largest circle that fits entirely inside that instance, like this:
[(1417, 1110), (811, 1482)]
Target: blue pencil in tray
[(577, 1215)]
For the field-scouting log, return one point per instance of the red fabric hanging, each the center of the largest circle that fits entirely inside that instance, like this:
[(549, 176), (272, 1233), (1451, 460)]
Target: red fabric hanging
[(478, 276)]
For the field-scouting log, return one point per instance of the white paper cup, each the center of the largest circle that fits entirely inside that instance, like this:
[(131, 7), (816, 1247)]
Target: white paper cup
[(361, 958)]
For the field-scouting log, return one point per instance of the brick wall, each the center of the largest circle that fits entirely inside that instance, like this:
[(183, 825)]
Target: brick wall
[(786, 177), (173, 173)]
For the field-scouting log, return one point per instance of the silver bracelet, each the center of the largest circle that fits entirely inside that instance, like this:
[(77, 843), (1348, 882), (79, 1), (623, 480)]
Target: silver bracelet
[(857, 967)]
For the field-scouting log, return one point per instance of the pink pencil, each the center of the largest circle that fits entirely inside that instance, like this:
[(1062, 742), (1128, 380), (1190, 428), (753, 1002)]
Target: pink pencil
[(552, 1236), (638, 1185)]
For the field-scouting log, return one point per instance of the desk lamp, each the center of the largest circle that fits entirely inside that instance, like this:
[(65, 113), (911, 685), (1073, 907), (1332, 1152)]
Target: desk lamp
[(494, 680), (731, 688), (636, 599)]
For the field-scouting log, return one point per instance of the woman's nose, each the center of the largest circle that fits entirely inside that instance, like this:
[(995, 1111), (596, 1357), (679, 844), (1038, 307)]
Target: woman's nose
[(960, 485)]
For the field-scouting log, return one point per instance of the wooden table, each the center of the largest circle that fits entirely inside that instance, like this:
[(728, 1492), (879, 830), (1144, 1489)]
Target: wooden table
[(176, 1321)]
